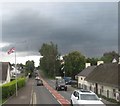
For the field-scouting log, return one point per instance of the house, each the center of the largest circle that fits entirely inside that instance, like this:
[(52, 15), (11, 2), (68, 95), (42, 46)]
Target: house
[(105, 79), (5, 68), (14, 71), (82, 83)]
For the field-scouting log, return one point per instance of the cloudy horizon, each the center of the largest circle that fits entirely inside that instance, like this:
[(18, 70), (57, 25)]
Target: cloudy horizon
[(91, 27)]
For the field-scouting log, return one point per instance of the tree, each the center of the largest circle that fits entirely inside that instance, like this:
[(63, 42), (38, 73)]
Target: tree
[(49, 62), (29, 66), (109, 56), (74, 63), (20, 66), (93, 61)]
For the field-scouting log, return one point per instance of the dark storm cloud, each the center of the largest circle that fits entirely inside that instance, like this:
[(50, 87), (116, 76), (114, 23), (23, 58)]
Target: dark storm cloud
[(26, 30), (88, 27)]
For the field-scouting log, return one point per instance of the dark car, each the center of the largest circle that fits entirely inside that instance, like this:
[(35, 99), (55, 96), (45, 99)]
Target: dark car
[(74, 83), (39, 83), (60, 85), (67, 80)]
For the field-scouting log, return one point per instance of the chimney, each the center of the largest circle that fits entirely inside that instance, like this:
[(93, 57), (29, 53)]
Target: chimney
[(87, 65), (119, 61), (99, 62), (114, 60)]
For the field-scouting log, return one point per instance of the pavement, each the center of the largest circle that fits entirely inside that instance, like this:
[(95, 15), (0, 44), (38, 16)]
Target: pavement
[(23, 95)]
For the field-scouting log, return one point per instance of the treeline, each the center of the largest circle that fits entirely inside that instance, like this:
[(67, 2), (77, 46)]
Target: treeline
[(27, 69), (74, 62)]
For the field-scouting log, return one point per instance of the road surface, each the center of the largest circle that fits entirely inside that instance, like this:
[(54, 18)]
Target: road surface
[(42, 95)]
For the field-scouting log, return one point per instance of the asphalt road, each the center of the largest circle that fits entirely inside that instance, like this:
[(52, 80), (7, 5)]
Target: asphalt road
[(65, 94), (42, 95)]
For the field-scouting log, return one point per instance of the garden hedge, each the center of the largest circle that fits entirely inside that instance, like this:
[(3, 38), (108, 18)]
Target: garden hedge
[(10, 88)]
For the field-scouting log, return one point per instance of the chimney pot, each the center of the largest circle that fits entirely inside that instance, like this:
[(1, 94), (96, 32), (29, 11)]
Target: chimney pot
[(87, 65), (99, 62), (119, 61), (114, 60)]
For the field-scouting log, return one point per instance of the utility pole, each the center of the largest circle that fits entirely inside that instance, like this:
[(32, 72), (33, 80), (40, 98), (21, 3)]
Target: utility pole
[(64, 73), (16, 73)]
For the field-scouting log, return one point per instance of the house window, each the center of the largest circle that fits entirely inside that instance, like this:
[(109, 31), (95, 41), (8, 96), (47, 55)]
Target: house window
[(80, 85), (102, 89), (90, 87), (114, 92), (85, 87), (108, 93)]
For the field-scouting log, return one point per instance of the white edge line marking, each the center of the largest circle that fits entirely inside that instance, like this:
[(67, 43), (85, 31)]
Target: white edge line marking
[(34, 98), (31, 96), (59, 102)]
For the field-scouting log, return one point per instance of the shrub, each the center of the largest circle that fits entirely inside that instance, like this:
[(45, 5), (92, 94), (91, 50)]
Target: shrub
[(10, 88), (21, 83), (109, 99)]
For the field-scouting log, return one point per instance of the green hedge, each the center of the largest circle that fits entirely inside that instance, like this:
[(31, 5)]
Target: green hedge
[(21, 83), (10, 88)]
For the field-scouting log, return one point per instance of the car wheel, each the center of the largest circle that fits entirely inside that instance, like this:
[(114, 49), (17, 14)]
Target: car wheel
[(65, 89), (71, 103)]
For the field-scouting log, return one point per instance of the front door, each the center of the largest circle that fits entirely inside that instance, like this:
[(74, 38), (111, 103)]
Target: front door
[(96, 90), (108, 93)]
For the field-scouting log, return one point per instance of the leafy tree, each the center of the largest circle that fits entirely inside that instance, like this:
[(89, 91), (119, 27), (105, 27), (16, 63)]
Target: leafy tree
[(109, 56), (49, 62), (29, 66), (93, 61), (74, 63), (20, 66)]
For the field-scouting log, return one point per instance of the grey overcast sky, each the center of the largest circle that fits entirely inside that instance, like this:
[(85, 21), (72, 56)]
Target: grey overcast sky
[(88, 27)]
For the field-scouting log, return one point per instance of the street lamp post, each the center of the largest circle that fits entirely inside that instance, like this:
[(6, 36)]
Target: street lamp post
[(16, 74), (64, 73)]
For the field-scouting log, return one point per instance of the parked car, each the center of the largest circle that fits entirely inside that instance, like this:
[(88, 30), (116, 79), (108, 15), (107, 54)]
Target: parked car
[(67, 80), (60, 85), (85, 98), (71, 82), (39, 83)]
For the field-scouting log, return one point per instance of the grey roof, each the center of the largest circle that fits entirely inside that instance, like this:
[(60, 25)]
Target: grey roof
[(107, 74), (86, 71), (3, 70)]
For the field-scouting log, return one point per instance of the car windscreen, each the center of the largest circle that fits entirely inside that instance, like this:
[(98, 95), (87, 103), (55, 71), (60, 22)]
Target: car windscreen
[(61, 81), (39, 81), (88, 97)]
